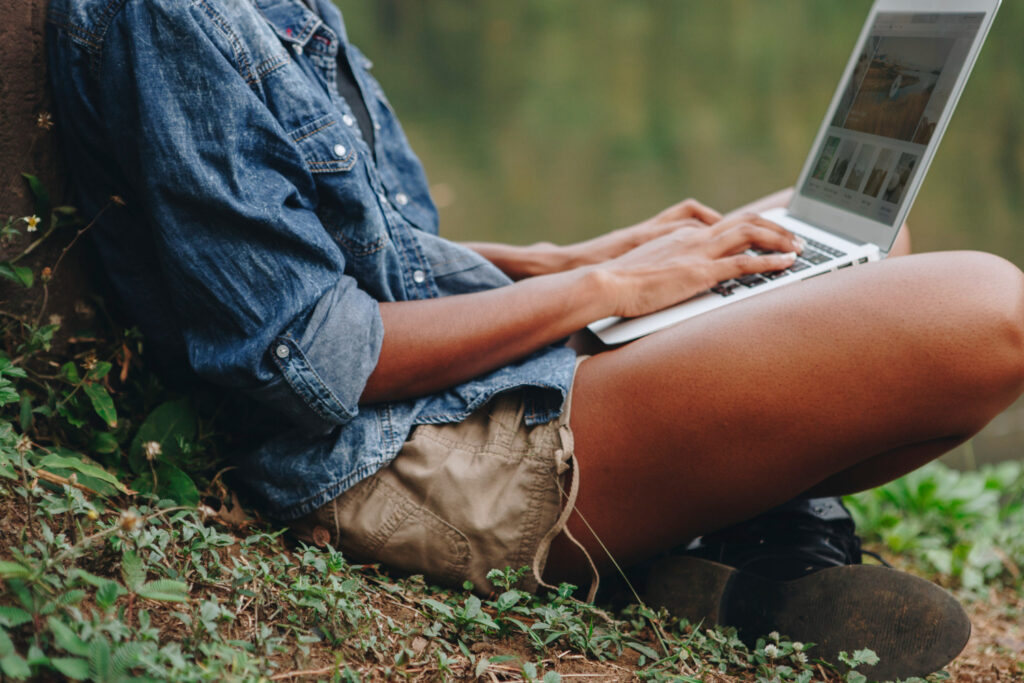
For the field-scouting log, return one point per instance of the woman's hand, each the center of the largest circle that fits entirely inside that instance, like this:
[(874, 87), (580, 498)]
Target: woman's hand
[(544, 258), (687, 260), (688, 213)]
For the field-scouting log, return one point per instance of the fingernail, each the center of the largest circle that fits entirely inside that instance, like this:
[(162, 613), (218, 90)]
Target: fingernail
[(800, 242), (789, 255)]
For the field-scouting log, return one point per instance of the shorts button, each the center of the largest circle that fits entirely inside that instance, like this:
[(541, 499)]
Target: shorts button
[(282, 351), (419, 277), (401, 199)]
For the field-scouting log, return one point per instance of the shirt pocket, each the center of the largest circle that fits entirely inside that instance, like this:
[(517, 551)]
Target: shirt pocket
[(345, 202)]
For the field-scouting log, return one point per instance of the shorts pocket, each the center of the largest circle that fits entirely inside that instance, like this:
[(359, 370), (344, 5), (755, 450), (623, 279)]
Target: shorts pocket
[(381, 524)]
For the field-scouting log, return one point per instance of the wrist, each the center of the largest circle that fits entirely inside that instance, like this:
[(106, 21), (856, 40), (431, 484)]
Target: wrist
[(597, 292), (543, 258)]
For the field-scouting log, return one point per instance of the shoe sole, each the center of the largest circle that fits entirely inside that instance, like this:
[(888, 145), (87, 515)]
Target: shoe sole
[(915, 627)]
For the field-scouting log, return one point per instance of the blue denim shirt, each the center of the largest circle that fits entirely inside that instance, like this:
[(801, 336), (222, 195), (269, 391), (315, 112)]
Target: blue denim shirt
[(260, 231)]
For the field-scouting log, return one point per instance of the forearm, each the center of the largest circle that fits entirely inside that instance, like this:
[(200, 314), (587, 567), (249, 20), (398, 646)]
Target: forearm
[(434, 344), (519, 262)]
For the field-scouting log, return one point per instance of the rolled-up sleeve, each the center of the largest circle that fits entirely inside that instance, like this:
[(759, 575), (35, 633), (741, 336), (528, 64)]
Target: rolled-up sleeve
[(257, 283)]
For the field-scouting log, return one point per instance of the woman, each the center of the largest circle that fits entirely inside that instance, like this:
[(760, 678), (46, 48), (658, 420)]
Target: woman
[(417, 404)]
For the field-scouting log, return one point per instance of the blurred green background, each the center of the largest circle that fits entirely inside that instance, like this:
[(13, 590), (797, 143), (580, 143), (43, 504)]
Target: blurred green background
[(558, 120)]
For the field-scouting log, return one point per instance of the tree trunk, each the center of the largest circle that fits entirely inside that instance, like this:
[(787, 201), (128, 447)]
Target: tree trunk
[(28, 145)]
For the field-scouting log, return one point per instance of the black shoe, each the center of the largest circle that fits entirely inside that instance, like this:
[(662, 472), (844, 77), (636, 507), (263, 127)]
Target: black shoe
[(816, 591), (795, 539)]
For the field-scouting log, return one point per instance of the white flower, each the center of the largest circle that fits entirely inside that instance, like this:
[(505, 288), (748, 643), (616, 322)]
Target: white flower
[(152, 450), (774, 635), (798, 646), (33, 223), (801, 657), (771, 651), (129, 521)]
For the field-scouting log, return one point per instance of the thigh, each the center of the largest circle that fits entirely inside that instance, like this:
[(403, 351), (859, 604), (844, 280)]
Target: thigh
[(735, 411)]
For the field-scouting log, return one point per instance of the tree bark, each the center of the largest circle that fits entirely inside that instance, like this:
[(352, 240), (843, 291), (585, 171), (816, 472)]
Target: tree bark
[(28, 145)]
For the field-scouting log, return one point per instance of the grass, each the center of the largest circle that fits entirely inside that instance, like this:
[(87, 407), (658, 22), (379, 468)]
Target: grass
[(129, 588)]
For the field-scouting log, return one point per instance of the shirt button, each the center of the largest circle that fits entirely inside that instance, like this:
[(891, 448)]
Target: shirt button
[(376, 126), (348, 120), (340, 151), (419, 277), (298, 49), (401, 199), (282, 351)]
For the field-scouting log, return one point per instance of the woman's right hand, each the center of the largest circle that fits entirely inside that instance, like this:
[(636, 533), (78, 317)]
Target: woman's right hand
[(690, 260)]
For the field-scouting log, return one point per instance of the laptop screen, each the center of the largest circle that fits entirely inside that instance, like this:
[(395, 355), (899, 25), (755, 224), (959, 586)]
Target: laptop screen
[(896, 94)]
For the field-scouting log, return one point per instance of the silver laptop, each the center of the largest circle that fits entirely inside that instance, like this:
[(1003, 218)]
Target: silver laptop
[(871, 153)]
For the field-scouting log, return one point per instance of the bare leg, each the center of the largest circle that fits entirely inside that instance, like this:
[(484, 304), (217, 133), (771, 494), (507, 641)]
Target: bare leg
[(828, 386)]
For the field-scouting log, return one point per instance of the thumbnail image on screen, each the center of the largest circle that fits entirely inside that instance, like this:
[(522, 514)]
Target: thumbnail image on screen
[(825, 160), (878, 173), (860, 167)]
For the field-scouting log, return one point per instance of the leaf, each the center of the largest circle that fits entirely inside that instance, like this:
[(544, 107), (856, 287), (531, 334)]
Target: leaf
[(99, 371), (102, 403), (24, 275), (103, 442), (164, 590), (168, 423), (17, 274), (72, 597), (57, 461), (12, 617), (125, 657), (25, 413), (72, 667), (6, 646), (481, 666), (472, 608), (99, 660), (15, 666), (13, 570), (66, 638), (552, 677), (131, 571), (171, 483), (644, 650), (439, 607), (39, 193), (508, 599), (108, 593)]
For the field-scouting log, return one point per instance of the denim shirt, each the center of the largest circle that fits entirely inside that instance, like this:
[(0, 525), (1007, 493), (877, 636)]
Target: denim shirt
[(260, 231)]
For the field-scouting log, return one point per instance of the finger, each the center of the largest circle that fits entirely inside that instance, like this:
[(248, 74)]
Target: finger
[(691, 208), (749, 235), (753, 218), (746, 264)]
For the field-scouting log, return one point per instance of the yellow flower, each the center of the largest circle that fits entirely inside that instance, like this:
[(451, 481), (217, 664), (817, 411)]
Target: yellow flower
[(33, 223)]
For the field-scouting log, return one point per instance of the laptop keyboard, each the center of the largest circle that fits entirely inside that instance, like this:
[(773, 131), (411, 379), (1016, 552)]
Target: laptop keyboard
[(814, 253)]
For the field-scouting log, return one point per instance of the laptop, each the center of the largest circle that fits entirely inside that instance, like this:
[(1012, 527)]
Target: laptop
[(870, 155)]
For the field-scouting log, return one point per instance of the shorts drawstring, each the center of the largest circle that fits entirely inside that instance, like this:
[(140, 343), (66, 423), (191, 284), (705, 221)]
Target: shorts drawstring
[(565, 458)]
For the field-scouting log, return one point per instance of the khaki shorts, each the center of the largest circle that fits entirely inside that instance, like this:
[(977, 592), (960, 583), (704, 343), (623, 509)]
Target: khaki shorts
[(460, 499)]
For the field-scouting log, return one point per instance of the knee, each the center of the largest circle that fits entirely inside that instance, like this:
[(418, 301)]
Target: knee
[(994, 291)]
